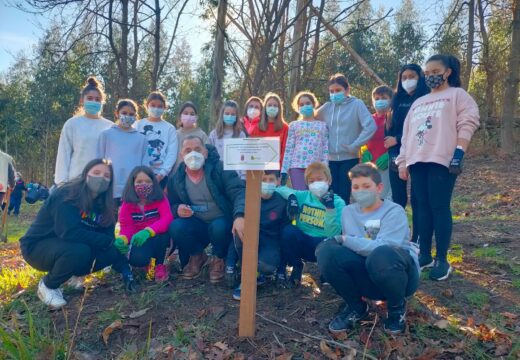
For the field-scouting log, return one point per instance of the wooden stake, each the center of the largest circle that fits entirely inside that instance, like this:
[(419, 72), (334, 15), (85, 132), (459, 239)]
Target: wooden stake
[(246, 326)]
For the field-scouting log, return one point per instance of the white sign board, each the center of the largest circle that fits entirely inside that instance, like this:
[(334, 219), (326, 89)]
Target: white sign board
[(252, 153)]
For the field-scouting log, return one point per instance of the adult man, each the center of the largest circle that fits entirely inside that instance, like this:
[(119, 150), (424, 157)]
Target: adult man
[(208, 206)]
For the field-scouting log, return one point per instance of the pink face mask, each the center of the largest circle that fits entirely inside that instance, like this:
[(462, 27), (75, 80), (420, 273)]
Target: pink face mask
[(188, 120)]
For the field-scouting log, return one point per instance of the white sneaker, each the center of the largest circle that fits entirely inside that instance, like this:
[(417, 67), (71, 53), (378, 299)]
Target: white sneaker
[(51, 297), (76, 282)]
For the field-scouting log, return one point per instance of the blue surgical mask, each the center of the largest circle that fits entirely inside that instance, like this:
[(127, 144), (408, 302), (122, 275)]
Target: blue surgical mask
[(268, 188), (155, 112), (381, 104), (307, 111), (272, 111), (229, 119), (365, 198), (92, 107), (337, 98)]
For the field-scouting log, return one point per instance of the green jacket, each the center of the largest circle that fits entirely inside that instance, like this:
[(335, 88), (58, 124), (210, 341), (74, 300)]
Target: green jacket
[(314, 219)]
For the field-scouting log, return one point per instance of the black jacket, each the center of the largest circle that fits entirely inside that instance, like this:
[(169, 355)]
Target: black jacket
[(62, 219), (227, 189)]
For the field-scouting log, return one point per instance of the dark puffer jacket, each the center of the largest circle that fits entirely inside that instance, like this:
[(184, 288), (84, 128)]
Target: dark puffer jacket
[(227, 189)]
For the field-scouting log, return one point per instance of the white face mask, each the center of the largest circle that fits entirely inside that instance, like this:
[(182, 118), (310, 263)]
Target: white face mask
[(409, 85), (253, 113), (194, 160), (268, 188), (319, 188)]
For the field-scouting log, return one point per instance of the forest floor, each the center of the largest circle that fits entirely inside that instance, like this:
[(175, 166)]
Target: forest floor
[(475, 314)]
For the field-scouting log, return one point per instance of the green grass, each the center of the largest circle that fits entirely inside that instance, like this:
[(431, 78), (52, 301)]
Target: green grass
[(477, 298), (516, 284), (487, 252), (17, 226)]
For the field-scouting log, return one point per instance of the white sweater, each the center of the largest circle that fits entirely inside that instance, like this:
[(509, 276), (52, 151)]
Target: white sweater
[(78, 145)]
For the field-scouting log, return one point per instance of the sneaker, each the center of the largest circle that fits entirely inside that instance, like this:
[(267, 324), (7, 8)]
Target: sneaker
[(131, 285), (216, 269), (395, 322), (76, 282), (425, 262), (236, 293), (281, 281), (51, 297), (296, 275), (441, 270), (348, 319), (161, 273), (231, 277)]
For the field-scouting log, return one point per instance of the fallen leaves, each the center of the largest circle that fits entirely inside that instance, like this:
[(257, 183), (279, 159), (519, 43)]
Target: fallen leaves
[(337, 354), (442, 324), (137, 314), (116, 325)]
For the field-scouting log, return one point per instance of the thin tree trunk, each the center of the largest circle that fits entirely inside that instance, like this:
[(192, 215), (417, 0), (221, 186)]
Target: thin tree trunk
[(469, 50), (512, 86), (297, 50), (124, 49), (488, 69), (218, 63), (156, 45)]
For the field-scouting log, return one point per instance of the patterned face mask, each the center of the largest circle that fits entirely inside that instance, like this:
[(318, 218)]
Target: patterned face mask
[(143, 190), (434, 81)]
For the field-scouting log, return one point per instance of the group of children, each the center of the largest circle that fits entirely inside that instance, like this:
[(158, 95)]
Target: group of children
[(363, 249)]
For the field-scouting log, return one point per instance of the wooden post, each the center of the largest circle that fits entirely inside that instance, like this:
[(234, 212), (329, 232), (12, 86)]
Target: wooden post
[(247, 319)]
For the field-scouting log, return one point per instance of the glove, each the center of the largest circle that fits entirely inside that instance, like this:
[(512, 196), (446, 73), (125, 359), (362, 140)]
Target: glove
[(328, 199), (284, 179), (293, 209), (382, 162), (140, 237), (366, 156), (457, 161), (121, 245)]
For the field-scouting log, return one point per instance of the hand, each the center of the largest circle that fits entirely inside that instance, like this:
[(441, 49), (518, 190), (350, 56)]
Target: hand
[(382, 162), (293, 208), (403, 173), (184, 211), (238, 228), (390, 141), (366, 156), (121, 245), (284, 179), (140, 237), (393, 165), (159, 177), (328, 199), (457, 162)]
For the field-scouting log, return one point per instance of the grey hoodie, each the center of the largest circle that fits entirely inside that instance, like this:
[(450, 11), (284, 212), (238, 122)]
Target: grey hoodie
[(350, 126)]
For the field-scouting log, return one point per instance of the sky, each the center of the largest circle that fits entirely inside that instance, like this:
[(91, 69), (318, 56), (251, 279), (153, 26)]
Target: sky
[(20, 31)]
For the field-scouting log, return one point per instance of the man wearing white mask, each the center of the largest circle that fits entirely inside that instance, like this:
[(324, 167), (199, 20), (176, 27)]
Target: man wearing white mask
[(315, 215), (208, 205)]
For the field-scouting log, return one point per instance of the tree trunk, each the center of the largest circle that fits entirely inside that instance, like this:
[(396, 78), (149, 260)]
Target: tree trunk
[(218, 63), (469, 49), (124, 49), (297, 50), (507, 141), (488, 69)]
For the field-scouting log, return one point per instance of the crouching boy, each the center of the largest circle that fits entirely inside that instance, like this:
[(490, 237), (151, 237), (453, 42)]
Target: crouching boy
[(373, 258)]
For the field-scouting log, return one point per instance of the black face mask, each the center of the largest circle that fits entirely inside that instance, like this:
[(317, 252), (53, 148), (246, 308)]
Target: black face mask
[(434, 81), (97, 184)]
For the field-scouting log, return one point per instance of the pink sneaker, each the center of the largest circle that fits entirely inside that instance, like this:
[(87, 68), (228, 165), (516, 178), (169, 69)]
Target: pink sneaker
[(161, 273)]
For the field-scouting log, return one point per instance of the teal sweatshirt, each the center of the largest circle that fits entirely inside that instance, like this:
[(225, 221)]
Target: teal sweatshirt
[(314, 219)]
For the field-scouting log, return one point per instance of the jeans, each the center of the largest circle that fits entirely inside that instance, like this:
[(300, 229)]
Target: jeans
[(298, 179), (388, 273), (14, 204), (297, 246), (154, 247), (400, 196), (340, 181), (268, 255), (193, 235), (64, 259), (433, 186)]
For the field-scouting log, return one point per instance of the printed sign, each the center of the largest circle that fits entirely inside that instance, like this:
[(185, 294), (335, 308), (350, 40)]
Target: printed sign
[(252, 154)]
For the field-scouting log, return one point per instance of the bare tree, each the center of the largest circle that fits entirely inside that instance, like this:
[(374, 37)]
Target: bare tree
[(218, 62)]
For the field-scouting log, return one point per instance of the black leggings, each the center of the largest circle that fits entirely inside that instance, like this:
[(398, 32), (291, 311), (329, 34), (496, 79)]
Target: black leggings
[(433, 186), (400, 196), (340, 181), (154, 247), (388, 273), (64, 259)]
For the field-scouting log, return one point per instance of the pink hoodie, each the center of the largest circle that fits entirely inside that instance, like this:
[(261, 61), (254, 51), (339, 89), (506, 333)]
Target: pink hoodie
[(433, 125), (156, 216)]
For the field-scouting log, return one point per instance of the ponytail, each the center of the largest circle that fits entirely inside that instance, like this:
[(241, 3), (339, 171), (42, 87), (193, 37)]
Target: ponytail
[(449, 62)]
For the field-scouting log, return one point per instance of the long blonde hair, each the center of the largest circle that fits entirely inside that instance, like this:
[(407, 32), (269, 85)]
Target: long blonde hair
[(237, 127), (279, 120)]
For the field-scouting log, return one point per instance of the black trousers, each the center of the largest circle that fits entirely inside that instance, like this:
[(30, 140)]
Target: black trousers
[(433, 186), (64, 259), (340, 181), (388, 273), (400, 196), (154, 247)]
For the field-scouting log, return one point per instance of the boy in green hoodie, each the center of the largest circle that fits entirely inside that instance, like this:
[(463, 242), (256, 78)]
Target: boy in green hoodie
[(315, 215)]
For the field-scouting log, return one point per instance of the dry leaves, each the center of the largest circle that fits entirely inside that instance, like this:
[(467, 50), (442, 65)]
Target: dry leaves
[(116, 325), (139, 313)]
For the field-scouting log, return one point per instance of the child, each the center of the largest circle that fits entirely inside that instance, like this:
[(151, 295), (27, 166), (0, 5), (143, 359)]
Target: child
[(373, 258), (317, 213), (16, 195), (272, 122), (273, 218), (375, 150), (80, 134), (307, 141), (145, 216), (187, 126), (161, 137), (123, 145), (436, 134), (253, 109), (350, 126)]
